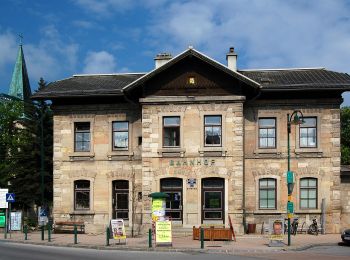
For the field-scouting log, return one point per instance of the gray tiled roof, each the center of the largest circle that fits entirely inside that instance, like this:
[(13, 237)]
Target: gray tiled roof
[(88, 85), (299, 79)]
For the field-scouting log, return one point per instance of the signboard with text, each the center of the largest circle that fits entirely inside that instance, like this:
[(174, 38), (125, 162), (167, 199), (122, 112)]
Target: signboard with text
[(158, 209), (163, 233), (16, 220), (118, 228), (3, 203)]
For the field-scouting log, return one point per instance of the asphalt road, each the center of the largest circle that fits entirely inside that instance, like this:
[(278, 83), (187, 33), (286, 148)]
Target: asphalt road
[(12, 251)]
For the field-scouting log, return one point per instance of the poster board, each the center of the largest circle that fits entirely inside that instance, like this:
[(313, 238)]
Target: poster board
[(118, 229), (16, 220), (276, 232), (3, 203), (163, 233), (158, 209)]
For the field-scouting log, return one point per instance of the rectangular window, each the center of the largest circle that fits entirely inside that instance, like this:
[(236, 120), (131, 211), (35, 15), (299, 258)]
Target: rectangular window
[(120, 135), (82, 136), (267, 133), (171, 131), (308, 193), (212, 130), (82, 195), (267, 193), (308, 132)]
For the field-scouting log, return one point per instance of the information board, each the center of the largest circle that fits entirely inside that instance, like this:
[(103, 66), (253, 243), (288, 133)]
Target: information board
[(118, 228), (163, 232), (3, 203), (16, 220), (158, 209)]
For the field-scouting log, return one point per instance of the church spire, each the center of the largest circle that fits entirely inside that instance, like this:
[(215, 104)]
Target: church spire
[(20, 87)]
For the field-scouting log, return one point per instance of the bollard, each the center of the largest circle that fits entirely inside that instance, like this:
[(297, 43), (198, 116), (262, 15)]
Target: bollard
[(49, 232), (107, 236), (202, 238), (150, 238), (42, 232), (25, 229), (75, 234)]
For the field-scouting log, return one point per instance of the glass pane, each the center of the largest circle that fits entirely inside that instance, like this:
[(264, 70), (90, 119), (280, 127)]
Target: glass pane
[(303, 203), (312, 183), (86, 137), (303, 132), (79, 137), (309, 122), (270, 122), (171, 136), (212, 120), (171, 121), (271, 194), (263, 183), (122, 201), (263, 142), (263, 194), (212, 199), (271, 142), (121, 139), (82, 184), (82, 126), (271, 133), (303, 194), (82, 199), (121, 184), (271, 204), (171, 183), (123, 214), (263, 133), (271, 183), (120, 126), (312, 194), (263, 203), (312, 204), (213, 183), (213, 135), (303, 142), (212, 215), (304, 182), (173, 214)]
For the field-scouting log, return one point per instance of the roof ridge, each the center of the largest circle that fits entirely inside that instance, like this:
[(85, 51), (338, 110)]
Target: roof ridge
[(280, 69), (108, 74)]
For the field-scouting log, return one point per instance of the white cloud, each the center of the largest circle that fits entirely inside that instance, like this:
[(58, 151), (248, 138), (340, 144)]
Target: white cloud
[(105, 7), (99, 62), (8, 48)]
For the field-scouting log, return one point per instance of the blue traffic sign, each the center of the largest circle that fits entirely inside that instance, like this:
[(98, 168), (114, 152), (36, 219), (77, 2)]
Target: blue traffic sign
[(10, 197)]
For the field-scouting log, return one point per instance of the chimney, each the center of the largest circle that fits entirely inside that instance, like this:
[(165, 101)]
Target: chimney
[(162, 58), (231, 58)]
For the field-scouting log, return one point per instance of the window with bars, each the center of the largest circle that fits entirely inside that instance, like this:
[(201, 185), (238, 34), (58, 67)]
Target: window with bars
[(120, 135), (267, 193), (308, 132), (82, 136), (212, 130), (82, 195), (171, 131), (267, 133), (308, 193)]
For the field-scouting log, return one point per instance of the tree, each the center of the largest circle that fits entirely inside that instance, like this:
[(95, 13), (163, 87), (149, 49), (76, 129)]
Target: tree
[(345, 135)]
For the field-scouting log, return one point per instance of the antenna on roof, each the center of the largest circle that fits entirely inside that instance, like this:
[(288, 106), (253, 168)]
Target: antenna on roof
[(20, 39)]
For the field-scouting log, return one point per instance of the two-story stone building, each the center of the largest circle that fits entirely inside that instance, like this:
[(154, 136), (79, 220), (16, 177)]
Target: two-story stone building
[(211, 136)]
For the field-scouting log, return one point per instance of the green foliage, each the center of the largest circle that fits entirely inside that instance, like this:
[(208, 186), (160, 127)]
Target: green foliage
[(345, 135), (20, 150)]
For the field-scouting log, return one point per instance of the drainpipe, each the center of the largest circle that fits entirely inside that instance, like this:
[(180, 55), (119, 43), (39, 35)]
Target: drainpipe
[(243, 199)]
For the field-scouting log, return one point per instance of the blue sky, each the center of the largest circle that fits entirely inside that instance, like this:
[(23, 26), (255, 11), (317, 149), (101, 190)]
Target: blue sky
[(67, 37)]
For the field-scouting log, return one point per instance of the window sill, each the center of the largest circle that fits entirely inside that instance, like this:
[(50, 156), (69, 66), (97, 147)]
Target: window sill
[(82, 212), (210, 151), (81, 156), (171, 152), (267, 151), (309, 152), (308, 211), (120, 155)]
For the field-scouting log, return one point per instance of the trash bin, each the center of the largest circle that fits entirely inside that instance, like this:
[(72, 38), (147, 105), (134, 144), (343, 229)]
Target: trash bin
[(251, 228)]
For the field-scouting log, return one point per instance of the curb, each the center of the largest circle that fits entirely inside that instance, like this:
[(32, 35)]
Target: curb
[(302, 248)]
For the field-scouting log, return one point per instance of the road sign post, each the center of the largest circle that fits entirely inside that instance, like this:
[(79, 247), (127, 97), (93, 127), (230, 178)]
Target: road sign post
[(10, 198)]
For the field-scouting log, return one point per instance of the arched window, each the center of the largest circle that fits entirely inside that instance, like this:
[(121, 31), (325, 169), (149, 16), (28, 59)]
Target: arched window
[(308, 193), (267, 193), (82, 195)]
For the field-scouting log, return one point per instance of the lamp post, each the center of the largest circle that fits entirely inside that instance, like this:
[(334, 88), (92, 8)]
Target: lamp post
[(296, 118)]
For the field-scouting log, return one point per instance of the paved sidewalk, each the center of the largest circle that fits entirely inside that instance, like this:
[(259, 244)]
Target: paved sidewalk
[(244, 244)]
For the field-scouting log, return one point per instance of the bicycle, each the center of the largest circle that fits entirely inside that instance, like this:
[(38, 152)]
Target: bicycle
[(313, 228), (293, 226)]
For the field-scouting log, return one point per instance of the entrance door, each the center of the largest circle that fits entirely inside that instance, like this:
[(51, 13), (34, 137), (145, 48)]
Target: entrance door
[(121, 199), (213, 194), (173, 187)]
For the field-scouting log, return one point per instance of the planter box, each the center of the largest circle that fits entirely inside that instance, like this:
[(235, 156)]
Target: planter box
[(212, 233)]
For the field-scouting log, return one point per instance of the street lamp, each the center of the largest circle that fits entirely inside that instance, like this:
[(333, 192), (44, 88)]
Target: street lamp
[(296, 118)]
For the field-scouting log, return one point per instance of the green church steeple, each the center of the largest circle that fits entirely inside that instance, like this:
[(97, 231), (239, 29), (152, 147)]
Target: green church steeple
[(20, 86)]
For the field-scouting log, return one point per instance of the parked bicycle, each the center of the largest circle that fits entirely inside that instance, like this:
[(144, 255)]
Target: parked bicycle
[(313, 228), (293, 226)]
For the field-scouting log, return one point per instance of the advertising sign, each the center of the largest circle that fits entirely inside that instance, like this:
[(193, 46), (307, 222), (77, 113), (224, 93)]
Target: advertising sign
[(158, 209), (118, 228), (16, 220), (42, 216), (163, 232), (2, 218), (276, 228), (3, 203)]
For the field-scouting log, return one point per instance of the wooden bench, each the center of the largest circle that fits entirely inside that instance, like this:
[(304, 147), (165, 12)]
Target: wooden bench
[(68, 226), (213, 233)]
